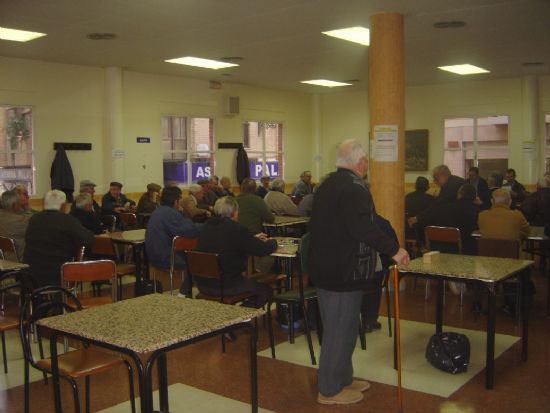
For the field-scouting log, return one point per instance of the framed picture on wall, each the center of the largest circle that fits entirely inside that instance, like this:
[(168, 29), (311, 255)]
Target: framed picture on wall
[(416, 150)]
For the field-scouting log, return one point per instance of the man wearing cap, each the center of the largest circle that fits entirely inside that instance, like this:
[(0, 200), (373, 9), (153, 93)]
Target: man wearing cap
[(149, 201), (114, 202), (88, 187)]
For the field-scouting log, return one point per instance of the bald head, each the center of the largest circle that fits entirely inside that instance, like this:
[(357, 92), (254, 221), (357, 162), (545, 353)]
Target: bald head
[(351, 155)]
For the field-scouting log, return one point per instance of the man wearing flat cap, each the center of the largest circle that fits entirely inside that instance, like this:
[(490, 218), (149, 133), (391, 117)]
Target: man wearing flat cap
[(88, 187), (149, 201), (114, 202)]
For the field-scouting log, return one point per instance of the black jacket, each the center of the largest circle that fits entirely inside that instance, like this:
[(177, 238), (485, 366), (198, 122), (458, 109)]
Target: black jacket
[(344, 236), (61, 173), (52, 238), (88, 220), (449, 191), (234, 244), (416, 202)]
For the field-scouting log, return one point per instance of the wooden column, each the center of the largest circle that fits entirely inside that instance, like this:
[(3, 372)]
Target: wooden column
[(387, 107)]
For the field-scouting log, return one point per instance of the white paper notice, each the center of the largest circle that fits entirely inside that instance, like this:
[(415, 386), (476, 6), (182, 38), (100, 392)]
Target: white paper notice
[(385, 148), (118, 153)]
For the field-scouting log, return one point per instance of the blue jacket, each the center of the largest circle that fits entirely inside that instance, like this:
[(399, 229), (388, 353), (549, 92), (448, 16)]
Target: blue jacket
[(165, 223)]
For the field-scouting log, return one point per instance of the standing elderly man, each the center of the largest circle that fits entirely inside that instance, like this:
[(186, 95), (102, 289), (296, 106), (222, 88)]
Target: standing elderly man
[(14, 221), (448, 183), (303, 187), (343, 258), (52, 239)]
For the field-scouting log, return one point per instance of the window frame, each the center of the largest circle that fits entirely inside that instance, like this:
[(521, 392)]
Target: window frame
[(264, 154), (189, 152)]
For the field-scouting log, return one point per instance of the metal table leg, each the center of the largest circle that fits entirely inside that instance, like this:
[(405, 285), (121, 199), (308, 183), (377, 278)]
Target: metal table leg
[(491, 321), (439, 306)]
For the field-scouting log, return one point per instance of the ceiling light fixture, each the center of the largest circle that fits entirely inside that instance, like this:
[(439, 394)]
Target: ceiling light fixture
[(199, 62), (324, 82), (18, 35), (355, 34), (465, 69)]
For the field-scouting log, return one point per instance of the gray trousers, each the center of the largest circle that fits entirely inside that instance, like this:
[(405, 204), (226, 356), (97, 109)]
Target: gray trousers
[(340, 316)]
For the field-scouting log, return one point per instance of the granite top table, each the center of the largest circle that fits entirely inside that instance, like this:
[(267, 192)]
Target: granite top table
[(134, 236), (485, 271), (286, 220), (7, 265), (151, 325)]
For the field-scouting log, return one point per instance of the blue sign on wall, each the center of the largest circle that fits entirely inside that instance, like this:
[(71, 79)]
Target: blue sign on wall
[(177, 171), (257, 169)]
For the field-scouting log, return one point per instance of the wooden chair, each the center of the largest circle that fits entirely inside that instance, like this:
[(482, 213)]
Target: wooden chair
[(104, 248), (17, 282), (448, 236), (128, 221), (8, 250), (89, 271), (84, 362), (206, 264), (179, 244), (502, 248), (300, 297)]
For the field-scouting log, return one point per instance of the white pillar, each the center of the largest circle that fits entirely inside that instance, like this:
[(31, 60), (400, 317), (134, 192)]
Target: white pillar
[(531, 141), (316, 136), (113, 130)]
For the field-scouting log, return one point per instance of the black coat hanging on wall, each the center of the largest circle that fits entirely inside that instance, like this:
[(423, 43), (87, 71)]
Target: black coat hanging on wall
[(243, 169), (61, 173)]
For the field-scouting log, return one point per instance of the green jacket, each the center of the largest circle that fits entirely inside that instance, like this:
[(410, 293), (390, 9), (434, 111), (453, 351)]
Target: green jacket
[(253, 212)]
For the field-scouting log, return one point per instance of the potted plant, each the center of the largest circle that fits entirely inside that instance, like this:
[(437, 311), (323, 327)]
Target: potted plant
[(17, 130)]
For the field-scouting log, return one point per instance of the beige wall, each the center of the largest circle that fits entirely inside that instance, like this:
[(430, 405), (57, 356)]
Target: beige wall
[(68, 104)]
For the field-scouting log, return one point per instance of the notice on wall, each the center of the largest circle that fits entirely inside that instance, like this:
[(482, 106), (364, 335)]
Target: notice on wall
[(384, 145), (118, 153), (529, 150)]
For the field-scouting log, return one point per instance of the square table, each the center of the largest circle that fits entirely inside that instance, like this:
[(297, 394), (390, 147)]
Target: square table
[(149, 326), (486, 271), (282, 221)]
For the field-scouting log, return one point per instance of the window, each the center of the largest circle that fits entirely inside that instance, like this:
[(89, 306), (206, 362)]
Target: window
[(476, 141), (547, 142), (187, 149), (16, 148), (263, 142)]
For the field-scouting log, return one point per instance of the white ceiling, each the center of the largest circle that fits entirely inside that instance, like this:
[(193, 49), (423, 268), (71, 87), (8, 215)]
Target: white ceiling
[(280, 40)]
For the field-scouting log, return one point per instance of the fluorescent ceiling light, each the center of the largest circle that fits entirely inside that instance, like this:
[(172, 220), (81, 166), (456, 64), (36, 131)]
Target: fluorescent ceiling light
[(18, 35), (355, 34), (323, 82), (198, 62), (465, 69)]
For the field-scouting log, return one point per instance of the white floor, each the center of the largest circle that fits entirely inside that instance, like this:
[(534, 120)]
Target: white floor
[(376, 362)]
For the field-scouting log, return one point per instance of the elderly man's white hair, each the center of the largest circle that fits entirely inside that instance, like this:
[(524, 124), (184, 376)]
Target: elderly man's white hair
[(82, 200), (278, 185), (349, 153), (54, 199), (501, 197), (195, 188), (226, 206)]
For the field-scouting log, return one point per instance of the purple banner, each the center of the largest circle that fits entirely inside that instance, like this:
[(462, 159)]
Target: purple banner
[(177, 171), (257, 169)]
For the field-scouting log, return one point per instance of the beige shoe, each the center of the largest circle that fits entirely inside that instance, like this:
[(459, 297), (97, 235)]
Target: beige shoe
[(358, 385), (344, 397)]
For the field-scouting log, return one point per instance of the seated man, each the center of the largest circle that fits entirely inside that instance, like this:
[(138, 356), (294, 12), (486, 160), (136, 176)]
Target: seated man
[(482, 188), (53, 238), (536, 206), (13, 222), (149, 201), (166, 223), (253, 211), (265, 186), (210, 197), (224, 235), (189, 204), (278, 202), (303, 186), (502, 222), (225, 189), (88, 187), (23, 193), (418, 200), (84, 213), (114, 202)]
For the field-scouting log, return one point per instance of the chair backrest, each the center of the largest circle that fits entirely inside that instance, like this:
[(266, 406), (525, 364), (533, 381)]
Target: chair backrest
[(43, 302), (500, 248), (103, 246), (109, 221), (87, 271), (203, 264), (181, 244), (128, 220), (448, 235), (7, 245)]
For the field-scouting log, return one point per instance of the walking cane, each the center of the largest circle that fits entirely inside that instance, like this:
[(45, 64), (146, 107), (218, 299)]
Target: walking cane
[(397, 337)]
